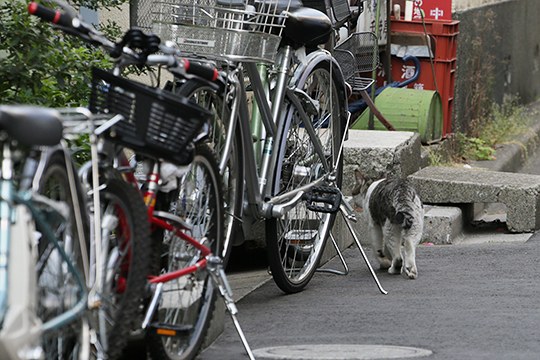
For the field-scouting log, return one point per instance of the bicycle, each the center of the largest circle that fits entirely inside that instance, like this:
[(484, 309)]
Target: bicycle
[(47, 285), (290, 151), (66, 301), (161, 132)]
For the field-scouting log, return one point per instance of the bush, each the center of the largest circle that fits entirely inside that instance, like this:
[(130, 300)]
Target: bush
[(40, 65)]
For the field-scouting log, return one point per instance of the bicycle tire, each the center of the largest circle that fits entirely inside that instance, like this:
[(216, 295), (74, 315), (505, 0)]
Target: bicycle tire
[(56, 286), (233, 174), (127, 264), (296, 241), (198, 200)]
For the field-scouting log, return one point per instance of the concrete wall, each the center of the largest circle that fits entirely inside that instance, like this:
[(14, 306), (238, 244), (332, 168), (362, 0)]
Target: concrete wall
[(498, 54)]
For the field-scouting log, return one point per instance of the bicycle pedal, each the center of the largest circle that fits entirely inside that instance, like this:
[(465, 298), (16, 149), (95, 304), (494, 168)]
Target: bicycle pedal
[(323, 199), (169, 330)]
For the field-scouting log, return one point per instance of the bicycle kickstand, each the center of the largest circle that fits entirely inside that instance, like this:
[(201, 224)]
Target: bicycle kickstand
[(215, 268), (348, 215)]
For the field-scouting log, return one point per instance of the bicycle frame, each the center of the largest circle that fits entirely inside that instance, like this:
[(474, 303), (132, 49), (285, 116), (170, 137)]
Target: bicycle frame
[(206, 261), (257, 187)]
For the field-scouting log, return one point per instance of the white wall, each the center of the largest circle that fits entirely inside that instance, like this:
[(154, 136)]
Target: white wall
[(120, 16)]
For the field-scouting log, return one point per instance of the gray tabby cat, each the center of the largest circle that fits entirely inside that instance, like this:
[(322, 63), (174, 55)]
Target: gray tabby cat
[(395, 222)]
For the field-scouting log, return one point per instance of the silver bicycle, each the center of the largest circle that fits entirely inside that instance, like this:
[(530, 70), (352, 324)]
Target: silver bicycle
[(282, 158)]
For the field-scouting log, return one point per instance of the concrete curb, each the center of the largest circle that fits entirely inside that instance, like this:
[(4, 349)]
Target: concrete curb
[(512, 156)]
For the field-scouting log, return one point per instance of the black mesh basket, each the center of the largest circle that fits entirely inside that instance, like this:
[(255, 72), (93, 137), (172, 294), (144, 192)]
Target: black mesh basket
[(156, 123)]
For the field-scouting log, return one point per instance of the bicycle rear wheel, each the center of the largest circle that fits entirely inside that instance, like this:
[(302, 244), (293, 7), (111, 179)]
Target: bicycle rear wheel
[(187, 303), (233, 173), (57, 287), (296, 241), (126, 265)]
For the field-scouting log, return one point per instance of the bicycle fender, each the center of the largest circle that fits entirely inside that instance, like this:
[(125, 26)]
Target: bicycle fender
[(309, 61)]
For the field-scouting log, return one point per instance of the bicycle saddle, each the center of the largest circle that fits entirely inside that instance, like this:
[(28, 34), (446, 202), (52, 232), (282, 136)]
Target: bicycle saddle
[(31, 125), (306, 27)]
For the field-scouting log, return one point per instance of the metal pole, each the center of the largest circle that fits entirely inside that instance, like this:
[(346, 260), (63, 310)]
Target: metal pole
[(371, 124), (133, 5)]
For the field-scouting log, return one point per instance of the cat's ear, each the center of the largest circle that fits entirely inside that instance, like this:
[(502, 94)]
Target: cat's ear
[(359, 183), (360, 179)]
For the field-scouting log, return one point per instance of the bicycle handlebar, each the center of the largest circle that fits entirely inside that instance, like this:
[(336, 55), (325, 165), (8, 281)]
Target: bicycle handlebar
[(53, 16), (136, 47)]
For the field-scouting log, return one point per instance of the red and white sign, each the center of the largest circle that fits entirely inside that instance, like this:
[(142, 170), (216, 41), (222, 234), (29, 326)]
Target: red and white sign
[(433, 9)]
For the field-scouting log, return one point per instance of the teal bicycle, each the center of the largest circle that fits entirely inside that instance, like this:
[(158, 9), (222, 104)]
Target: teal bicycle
[(43, 240)]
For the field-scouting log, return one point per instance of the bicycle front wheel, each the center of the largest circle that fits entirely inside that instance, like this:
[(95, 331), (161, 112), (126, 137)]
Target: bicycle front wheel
[(187, 303), (58, 288), (296, 241), (127, 241)]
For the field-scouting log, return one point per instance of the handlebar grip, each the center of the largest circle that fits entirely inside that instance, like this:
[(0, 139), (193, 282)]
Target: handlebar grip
[(204, 71), (54, 16)]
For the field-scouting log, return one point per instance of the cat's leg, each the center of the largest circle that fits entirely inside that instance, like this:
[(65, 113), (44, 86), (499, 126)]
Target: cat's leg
[(411, 239), (376, 234), (392, 240)]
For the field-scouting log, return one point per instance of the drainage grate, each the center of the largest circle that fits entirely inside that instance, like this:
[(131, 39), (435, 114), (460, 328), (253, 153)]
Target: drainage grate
[(339, 352)]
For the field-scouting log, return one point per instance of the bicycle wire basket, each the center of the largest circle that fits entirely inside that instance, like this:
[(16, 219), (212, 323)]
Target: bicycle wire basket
[(235, 30), (358, 54), (156, 123)]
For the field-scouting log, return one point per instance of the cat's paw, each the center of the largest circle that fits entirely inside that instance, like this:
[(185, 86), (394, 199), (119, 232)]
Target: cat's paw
[(384, 263), (393, 270), (410, 272)]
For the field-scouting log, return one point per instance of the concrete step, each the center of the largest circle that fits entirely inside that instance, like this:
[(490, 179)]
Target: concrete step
[(443, 225), (520, 193)]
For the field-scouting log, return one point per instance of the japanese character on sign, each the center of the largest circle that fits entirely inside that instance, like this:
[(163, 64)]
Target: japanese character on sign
[(432, 9)]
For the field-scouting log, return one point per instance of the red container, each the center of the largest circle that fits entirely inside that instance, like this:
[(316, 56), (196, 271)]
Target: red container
[(442, 74), (443, 33)]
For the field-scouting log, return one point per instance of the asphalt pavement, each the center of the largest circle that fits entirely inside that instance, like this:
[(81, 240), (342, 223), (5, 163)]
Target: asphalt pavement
[(475, 300)]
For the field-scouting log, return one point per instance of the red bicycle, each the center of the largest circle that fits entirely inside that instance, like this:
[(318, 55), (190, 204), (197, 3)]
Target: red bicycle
[(156, 141)]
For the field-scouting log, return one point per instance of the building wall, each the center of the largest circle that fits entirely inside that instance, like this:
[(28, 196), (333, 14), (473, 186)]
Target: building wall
[(462, 5), (498, 55)]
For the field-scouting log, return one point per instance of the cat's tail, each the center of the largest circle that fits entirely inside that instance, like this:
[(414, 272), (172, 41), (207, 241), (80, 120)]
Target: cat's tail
[(405, 218), (406, 205)]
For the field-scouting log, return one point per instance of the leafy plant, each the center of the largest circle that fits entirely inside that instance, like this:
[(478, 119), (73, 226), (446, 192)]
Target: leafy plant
[(473, 148), (42, 66), (501, 124)]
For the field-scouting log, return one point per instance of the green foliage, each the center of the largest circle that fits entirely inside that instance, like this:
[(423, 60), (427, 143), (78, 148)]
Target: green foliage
[(95, 4), (41, 65), (501, 124), (504, 122), (473, 148), (80, 148)]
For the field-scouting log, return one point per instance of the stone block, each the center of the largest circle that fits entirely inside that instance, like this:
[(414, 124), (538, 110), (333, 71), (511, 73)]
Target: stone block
[(379, 153), (452, 185), (442, 225)]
